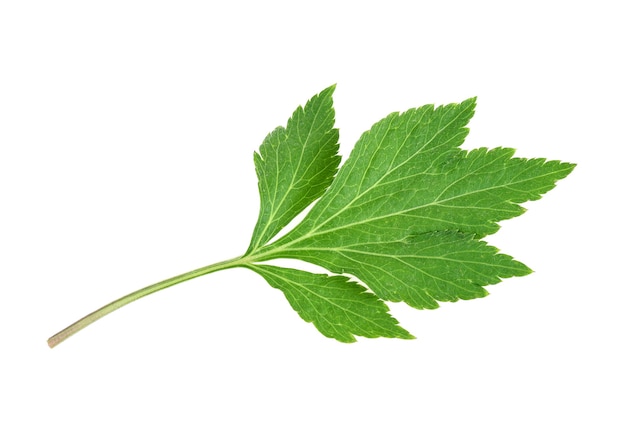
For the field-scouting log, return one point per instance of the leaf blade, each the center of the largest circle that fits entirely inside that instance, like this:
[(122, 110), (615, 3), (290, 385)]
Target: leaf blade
[(338, 308), (295, 165), (406, 179)]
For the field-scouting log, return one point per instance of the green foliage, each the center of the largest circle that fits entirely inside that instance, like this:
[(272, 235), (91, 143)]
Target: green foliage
[(337, 307), (404, 215), (295, 165)]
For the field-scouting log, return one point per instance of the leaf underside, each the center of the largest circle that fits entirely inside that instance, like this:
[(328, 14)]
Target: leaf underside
[(404, 214)]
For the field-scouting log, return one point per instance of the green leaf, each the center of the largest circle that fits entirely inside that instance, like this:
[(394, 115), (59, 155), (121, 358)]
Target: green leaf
[(406, 209), (338, 308), (404, 215), (295, 165)]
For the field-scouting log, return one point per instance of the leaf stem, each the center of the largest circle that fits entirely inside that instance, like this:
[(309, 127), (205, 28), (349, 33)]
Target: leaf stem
[(125, 300)]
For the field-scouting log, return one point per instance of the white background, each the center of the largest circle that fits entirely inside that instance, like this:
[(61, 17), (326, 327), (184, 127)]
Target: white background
[(126, 137)]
